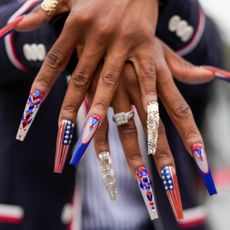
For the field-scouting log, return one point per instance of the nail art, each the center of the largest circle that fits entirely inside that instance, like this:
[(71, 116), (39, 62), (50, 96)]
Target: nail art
[(88, 131), (153, 120), (168, 175), (10, 27), (145, 185), (32, 106), (65, 135), (106, 169), (219, 73), (204, 170)]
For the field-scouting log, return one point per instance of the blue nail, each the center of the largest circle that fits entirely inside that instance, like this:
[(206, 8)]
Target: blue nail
[(87, 133), (203, 168)]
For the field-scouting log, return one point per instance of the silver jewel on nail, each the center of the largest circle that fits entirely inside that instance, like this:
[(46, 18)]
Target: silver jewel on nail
[(153, 120), (106, 169)]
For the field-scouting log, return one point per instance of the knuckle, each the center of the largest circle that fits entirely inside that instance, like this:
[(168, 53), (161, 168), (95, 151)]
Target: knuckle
[(101, 106), (54, 59), (191, 134), (135, 158), (182, 110), (81, 18), (80, 79), (148, 68), (42, 82), (128, 129), (110, 79), (69, 109), (162, 154)]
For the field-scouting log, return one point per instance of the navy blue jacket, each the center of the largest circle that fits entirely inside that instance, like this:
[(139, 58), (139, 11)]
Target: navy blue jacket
[(26, 177)]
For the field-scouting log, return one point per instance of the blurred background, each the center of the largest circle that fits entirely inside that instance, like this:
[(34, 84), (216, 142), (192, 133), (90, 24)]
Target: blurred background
[(216, 130)]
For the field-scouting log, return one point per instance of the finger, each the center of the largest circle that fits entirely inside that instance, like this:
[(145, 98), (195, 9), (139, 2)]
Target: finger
[(106, 168), (129, 140), (163, 159), (78, 85), (53, 65), (185, 71), (166, 167), (146, 72), (106, 87), (182, 117), (38, 17)]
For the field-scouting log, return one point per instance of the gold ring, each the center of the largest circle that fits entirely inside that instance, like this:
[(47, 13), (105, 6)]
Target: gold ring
[(49, 6)]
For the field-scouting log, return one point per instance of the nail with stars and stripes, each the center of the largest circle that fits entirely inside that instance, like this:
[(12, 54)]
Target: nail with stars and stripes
[(169, 177), (32, 106), (145, 186), (204, 170), (87, 133), (64, 138)]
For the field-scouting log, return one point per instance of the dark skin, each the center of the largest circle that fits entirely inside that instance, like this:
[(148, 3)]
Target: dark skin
[(117, 32)]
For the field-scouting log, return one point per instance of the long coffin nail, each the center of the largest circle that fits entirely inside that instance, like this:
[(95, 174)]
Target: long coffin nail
[(219, 73), (88, 131), (64, 138), (169, 177), (145, 185), (153, 120), (204, 170), (32, 106), (10, 27), (107, 173)]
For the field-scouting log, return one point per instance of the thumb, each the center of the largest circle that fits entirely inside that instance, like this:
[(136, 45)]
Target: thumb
[(184, 71), (33, 20)]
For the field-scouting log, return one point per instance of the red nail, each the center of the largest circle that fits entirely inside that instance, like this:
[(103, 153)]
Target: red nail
[(169, 177), (64, 138), (10, 26)]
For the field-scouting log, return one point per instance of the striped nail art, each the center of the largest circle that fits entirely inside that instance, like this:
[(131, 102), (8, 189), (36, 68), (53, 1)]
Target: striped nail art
[(32, 106), (88, 131), (64, 138), (145, 185), (10, 27), (169, 178), (204, 170)]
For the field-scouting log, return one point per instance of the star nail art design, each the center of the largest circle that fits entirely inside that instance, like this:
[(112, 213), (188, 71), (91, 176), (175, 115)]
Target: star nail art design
[(106, 169), (88, 131), (145, 186), (65, 135), (32, 106), (153, 120), (169, 178), (204, 170)]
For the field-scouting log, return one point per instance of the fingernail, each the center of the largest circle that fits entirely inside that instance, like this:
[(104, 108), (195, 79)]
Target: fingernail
[(106, 169), (153, 120), (145, 185), (204, 170), (64, 138), (32, 106), (9, 27), (169, 177), (219, 73), (88, 131)]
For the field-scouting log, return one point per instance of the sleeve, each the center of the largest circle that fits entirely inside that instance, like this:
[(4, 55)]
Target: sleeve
[(21, 54), (181, 25)]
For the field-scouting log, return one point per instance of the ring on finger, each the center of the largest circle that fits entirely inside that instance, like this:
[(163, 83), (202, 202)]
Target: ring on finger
[(49, 6), (123, 117)]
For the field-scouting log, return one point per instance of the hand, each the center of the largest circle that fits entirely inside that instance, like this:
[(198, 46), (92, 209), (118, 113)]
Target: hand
[(109, 31)]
